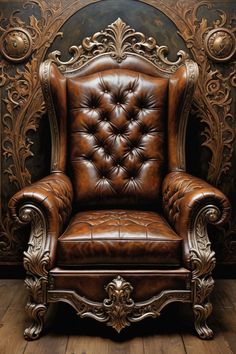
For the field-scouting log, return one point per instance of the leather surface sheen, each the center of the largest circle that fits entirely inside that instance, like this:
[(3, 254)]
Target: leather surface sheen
[(119, 237), (117, 130)]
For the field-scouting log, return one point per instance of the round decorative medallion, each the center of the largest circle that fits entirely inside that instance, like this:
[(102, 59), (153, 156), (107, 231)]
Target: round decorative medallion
[(16, 44), (220, 44)]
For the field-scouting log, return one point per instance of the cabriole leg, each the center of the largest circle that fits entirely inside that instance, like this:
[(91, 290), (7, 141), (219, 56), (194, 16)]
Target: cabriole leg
[(36, 308), (36, 312), (202, 307)]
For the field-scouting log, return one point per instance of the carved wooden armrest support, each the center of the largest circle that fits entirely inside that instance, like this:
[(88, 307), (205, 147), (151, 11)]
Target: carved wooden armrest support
[(186, 200), (189, 205), (47, 205)]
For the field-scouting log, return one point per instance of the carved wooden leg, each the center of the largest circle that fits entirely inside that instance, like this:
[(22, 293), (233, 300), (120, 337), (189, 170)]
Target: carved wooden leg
[(36, 308), (202, 307), (36, 312), (201, 313)]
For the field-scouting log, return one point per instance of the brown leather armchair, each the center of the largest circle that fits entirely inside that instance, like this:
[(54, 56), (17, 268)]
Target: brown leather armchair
[(99, 240)]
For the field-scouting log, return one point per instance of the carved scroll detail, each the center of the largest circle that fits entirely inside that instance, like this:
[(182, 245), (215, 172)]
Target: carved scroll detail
[(37, 313), (213, 95), (37, 255), (119, 309), (36, 259), (119, 39), (203, 262)]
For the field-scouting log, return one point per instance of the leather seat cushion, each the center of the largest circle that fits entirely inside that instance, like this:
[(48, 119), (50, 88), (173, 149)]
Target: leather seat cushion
[(126, 237)]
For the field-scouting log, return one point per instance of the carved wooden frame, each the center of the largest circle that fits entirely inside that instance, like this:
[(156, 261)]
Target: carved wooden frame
[(36, 260)]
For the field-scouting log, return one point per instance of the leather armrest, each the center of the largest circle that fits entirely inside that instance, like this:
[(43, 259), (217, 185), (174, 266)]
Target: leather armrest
[(52, 196), (184, 197)]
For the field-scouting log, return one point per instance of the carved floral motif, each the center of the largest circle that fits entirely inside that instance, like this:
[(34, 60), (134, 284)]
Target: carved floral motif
[(119, 305), (203, 262), (212, 97)]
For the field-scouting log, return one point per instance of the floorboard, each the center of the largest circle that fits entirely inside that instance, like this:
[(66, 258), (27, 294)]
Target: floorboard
[(65, 333)]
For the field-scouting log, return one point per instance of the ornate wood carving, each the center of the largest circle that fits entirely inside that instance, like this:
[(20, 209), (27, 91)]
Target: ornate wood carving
[(119, 309), (119, 304), (119, 39), (212, 97), (36, 259), (203, 262)]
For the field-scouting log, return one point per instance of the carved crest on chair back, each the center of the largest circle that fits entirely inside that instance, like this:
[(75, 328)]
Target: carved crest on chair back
[(119, 40), (121, 44)]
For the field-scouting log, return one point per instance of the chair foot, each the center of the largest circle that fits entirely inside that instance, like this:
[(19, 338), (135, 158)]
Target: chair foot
[(37, 313), (201, 313)]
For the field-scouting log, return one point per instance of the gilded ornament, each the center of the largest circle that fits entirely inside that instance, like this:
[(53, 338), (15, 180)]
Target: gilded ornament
[(119, 304), (220, 44), (16, 44)]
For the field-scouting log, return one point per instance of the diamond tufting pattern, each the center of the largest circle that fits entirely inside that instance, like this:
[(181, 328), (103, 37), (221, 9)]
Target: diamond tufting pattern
[(117, 131)]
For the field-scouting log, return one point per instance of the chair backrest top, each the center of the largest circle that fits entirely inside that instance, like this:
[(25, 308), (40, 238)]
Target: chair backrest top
[(119, 47)]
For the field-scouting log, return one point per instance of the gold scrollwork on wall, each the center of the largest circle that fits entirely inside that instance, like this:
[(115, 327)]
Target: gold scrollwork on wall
[(213, 96)]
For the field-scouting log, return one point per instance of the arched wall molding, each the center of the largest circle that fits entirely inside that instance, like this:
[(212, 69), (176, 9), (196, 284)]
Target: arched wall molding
[(23, 105)]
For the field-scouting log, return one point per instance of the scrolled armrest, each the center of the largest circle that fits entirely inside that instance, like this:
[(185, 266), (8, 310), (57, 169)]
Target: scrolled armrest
[(185, 198), (185, 194), (51, 192), (48, 203)]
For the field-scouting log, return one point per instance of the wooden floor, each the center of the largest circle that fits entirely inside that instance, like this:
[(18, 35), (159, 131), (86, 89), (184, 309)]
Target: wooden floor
[(65, 333)]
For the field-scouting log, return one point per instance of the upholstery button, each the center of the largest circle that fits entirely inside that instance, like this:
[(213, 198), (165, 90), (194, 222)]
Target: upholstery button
[(118, 103)]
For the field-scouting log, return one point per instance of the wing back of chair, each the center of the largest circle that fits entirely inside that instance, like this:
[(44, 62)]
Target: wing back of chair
[(118, 122)]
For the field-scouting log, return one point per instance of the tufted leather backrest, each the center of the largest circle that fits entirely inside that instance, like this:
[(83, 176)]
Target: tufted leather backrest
[(117, 121)]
